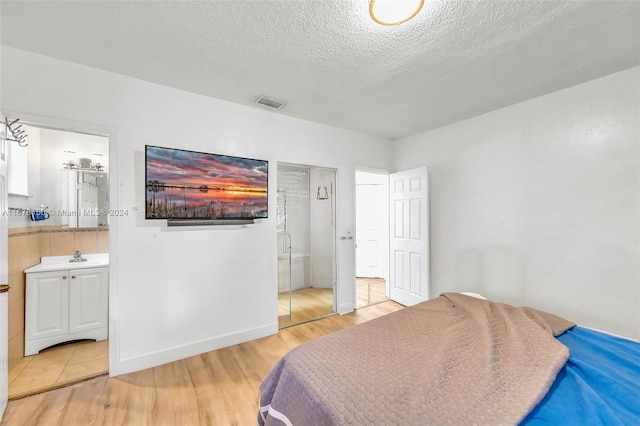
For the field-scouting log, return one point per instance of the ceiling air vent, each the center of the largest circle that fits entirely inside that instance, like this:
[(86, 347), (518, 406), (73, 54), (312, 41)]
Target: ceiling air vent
[(269, 103)]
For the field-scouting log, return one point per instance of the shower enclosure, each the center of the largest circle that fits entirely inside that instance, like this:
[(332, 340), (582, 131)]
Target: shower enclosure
[(306, 243)]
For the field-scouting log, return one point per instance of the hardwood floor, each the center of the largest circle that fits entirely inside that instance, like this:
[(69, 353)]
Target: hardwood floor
[(215, 388), (306, 304), (370, 291), (58, 366), (311, 303)]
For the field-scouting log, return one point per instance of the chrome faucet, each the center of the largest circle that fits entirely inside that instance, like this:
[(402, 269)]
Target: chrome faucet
[(77, 257)]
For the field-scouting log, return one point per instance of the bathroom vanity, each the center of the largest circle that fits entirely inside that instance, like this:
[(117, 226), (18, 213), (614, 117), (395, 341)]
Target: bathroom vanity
[(66, 301)]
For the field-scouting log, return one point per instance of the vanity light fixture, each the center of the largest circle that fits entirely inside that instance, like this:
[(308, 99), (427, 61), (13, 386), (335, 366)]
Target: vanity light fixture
[(394, 12), (70, 162), (96, 160)]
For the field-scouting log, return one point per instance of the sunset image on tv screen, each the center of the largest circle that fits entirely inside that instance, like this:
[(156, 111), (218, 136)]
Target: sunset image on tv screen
[(184, 184)]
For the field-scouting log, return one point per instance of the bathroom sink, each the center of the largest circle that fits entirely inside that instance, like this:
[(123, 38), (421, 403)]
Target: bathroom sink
[(56, 263)]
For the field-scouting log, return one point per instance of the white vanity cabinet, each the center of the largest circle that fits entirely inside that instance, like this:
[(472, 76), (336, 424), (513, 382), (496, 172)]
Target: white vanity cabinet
[(64, 305)]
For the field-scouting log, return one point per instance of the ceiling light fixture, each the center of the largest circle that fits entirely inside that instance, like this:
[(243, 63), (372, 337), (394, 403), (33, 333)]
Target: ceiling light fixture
[(394, 12)]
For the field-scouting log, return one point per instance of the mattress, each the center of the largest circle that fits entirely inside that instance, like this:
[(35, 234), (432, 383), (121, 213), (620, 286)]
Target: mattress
[(598, 385)]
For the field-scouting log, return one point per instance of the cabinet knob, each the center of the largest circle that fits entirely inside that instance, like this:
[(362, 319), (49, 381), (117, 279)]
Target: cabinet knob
[(64, 277), (73, 276)]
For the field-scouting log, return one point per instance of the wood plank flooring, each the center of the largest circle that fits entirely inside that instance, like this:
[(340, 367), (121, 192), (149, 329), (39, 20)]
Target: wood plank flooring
[(311, 303), (306, 304), (370, 291), (58, 366), (215, 388)]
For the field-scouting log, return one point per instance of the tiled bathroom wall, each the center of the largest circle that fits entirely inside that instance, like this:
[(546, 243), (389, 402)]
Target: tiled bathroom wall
[(26, 247)]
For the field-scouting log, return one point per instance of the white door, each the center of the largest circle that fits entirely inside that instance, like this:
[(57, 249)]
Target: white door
[(4, 274), (372, 224), (409, 236)]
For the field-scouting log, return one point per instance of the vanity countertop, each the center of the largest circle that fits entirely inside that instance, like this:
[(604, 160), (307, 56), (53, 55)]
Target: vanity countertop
[(57, 263)]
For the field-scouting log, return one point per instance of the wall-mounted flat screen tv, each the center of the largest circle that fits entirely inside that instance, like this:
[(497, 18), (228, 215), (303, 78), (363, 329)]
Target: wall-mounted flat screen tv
[(183, 185)]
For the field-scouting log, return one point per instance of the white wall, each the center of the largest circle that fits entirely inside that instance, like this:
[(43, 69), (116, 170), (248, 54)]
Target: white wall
[(178, 292), (538, 203)]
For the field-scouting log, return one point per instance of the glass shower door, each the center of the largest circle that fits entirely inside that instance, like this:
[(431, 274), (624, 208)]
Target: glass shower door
[(306, 243)]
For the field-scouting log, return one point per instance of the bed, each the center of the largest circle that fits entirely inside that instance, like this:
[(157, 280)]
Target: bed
[(457, 359)]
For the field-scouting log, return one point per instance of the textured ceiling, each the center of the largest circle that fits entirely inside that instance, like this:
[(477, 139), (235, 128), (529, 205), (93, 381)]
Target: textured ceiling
[(331, 63)]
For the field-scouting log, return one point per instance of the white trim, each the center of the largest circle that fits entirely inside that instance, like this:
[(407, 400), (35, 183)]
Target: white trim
[(275, 414), (279, 416), (346, 308), (376, 170), (112, 134), (4, 356), (137, 363), (263, 410)]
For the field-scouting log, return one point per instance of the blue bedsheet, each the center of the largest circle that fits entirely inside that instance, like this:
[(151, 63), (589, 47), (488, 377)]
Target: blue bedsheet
[(599, 384)]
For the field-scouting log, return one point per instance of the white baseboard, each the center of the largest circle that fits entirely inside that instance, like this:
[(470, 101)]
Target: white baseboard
[(130, 365)]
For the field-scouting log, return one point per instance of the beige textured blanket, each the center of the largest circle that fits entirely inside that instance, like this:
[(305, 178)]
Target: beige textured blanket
[(452, 360)]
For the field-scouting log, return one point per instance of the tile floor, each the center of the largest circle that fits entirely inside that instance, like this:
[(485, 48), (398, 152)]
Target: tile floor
[(58, 366)]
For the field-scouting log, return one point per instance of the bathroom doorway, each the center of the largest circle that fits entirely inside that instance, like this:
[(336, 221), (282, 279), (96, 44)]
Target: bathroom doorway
[(306, 215), (61, 165)]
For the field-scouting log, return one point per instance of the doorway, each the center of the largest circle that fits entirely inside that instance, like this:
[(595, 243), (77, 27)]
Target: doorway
[(372, 236), (54, 156), (306, 243)]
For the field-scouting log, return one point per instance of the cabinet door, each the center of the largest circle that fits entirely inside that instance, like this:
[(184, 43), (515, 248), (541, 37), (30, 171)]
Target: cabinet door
[(47, 304), (88, 299)]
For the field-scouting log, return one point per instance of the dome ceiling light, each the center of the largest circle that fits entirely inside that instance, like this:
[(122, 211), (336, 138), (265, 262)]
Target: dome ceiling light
[(394, 12)]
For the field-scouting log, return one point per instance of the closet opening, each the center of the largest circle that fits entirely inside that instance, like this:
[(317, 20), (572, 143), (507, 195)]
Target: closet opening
[(306, 215)]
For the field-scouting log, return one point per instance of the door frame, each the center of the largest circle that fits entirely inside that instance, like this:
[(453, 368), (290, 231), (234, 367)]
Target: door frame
[(111, 134), (4, 270)]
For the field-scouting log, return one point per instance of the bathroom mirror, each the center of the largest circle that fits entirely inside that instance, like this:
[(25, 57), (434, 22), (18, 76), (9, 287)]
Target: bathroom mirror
[(67, 176)]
